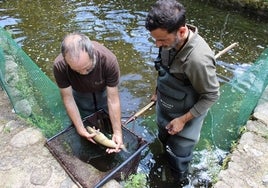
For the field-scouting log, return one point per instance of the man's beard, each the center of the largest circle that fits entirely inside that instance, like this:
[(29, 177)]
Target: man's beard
[(173, 45)]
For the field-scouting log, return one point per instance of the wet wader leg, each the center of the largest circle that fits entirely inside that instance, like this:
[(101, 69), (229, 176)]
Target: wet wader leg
[(179, 161), (163, 136), (179, 148)]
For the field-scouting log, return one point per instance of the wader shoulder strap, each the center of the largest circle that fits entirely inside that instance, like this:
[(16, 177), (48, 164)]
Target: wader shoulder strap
[(95, 101), (158, 60), (163, 69)]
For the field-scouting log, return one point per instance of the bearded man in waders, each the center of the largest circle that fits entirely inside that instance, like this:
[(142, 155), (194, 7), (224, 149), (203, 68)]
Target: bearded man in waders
[(187, 85)]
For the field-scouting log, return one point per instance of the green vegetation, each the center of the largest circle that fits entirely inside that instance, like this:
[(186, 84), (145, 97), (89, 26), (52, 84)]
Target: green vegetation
[(136, 181), (266, 136), (7, 130), (23, 83), (234, 144), (225, 162), (47, 127)]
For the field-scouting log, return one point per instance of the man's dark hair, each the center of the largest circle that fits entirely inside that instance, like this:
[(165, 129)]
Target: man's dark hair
[(166, 14)]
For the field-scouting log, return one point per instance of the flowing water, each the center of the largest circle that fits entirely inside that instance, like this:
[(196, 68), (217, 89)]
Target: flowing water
[(39, 26)]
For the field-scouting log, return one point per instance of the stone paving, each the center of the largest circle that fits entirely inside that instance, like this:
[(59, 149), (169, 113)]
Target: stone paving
[(24, 160)]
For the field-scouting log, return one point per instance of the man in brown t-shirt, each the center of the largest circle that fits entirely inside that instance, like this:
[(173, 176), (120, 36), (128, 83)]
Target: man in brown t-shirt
[(87, 74)]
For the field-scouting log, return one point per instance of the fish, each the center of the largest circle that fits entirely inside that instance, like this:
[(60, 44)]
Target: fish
[(103, 140)]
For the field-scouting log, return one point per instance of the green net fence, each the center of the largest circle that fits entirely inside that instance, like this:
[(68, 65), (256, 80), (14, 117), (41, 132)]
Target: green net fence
[(33, 95), (238, 100)]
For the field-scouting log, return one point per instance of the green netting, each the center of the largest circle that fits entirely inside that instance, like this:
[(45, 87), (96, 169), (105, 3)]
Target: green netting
[(33, 95), (238, 99)]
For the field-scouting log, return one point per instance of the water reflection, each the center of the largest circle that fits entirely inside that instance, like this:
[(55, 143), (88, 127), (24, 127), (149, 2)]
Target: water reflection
[(40, 25)]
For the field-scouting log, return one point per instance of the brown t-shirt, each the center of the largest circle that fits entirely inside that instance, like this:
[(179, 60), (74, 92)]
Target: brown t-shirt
[(105, 73)]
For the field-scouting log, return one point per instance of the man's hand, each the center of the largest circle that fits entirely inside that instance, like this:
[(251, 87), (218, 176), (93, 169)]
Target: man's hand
[(154, 97), (119, 142), (84, 133), (175, 126)]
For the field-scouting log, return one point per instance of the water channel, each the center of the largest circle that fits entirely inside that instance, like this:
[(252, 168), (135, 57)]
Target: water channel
[(39, 26)]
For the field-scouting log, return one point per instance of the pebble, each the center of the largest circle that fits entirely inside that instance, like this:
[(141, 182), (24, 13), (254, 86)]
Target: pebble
[(26, 137), (265, 180)]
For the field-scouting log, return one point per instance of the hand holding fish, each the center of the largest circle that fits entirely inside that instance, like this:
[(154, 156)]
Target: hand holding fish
[(89, 136), (114, 145), (119, 143)]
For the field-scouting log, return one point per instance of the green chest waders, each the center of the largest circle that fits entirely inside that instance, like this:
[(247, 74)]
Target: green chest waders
[(89, 103), (174, 98)]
